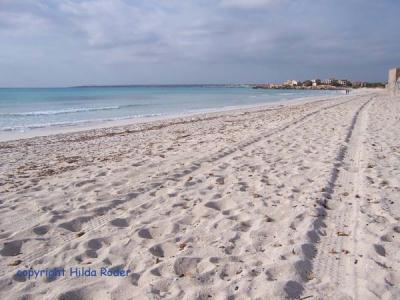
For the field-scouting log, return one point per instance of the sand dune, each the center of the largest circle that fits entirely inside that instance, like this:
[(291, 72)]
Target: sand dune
[(298, 201)]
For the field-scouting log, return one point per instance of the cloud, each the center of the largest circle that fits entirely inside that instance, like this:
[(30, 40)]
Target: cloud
[(145, 32), (122, 40), (249, 4), (21, 24), (108, 24)]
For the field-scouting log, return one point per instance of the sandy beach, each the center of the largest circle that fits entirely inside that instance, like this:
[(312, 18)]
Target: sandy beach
[(295, 201)]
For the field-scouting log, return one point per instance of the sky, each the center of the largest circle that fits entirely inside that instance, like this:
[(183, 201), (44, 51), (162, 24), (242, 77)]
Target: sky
[(107, 42)]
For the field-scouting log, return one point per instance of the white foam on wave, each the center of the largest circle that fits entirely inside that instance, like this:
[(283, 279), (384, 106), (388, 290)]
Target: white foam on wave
[(68, 110), (73, 123)]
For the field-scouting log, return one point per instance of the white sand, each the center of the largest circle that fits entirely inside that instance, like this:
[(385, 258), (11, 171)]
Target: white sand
[(298, 201)]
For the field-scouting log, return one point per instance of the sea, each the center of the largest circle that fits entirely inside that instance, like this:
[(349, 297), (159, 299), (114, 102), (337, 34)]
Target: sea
[(30, 110)]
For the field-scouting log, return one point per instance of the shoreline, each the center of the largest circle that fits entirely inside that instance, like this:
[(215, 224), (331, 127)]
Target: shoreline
[(9, 136)]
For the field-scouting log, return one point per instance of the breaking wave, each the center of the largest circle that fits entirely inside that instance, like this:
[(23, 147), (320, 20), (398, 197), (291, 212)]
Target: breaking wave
[(73, 123), (69, 110)]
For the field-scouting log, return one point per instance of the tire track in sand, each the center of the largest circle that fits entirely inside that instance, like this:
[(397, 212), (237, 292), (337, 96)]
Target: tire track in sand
[(329, 255)]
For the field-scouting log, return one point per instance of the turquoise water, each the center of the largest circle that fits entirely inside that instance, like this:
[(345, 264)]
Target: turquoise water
[(27, 109)]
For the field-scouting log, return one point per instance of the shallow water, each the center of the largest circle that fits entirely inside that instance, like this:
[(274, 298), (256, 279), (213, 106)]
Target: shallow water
[(27, 109)]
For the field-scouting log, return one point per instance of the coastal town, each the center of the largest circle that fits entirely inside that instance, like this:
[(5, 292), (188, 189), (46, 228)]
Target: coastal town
[(318, 84)]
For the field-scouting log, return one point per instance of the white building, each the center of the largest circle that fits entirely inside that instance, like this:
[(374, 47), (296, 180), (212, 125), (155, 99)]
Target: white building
[(344, 82), (291, 82), (328, 81), (316, 82)]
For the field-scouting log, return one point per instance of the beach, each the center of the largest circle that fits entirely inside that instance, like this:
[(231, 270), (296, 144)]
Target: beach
[(289, 201), (30, 112)]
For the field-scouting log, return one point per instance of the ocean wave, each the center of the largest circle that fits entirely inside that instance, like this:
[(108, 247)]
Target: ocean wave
[(288, 94), (22, 128), (68, 110)]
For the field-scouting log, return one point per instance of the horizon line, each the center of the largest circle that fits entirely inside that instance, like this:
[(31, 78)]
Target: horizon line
[(156, 85)]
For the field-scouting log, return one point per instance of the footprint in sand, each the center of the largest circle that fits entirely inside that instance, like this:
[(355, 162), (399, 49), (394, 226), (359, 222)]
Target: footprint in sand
[(12, 248), (41, 230), (166, 249), (186, 265), (120, 222), (380, 249), (144, 233), (75, 225)]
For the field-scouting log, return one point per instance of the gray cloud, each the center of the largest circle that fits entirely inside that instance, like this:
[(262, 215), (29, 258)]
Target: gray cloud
[(157, 41), (250, 4)]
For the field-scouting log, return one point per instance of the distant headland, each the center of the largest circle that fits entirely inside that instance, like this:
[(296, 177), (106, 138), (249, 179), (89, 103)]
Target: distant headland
[(318, 84)]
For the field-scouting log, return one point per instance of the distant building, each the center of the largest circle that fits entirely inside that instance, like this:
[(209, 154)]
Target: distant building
[(274, 85), (330, 81), (291, 83), (344, 82), (316, 82), (394, 81), (356, 84), (337, 82)]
